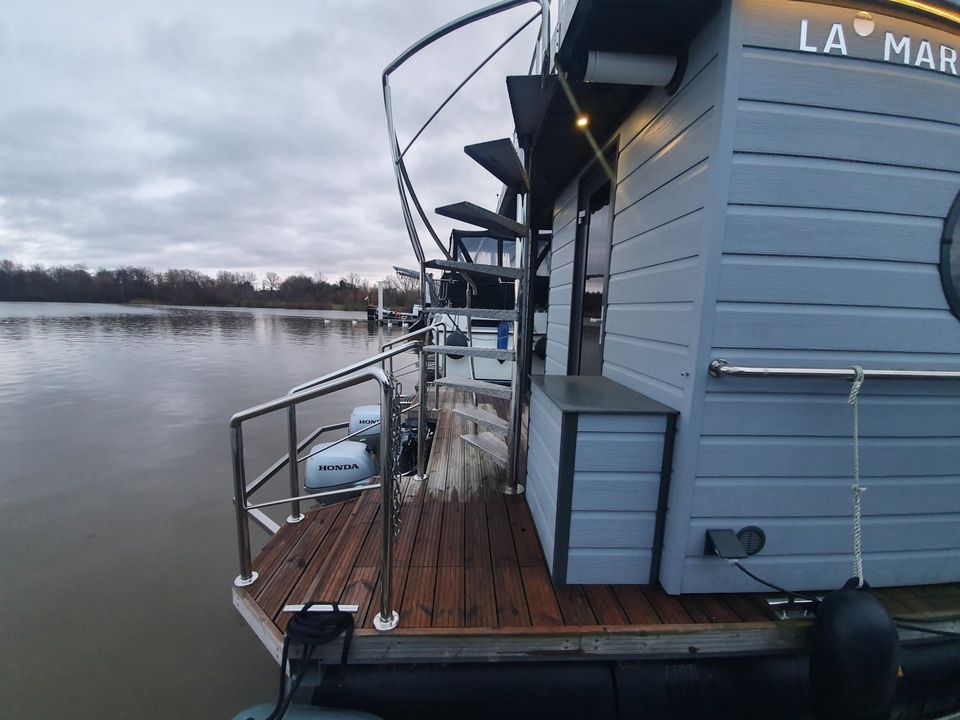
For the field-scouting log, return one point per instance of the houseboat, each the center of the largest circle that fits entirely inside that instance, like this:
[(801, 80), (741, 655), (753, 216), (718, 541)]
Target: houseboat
[(732, 490)]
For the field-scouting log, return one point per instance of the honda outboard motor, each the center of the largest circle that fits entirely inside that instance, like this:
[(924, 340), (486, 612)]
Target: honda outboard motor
[(366, 418), (343, 465)]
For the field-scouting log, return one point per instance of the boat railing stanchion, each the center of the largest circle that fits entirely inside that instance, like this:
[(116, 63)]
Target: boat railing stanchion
[(387, 618), (295, 514), (422, 412), (247, 576)]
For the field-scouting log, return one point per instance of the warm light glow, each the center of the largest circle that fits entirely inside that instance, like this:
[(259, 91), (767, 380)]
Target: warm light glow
[(932, 9), (583, 121)]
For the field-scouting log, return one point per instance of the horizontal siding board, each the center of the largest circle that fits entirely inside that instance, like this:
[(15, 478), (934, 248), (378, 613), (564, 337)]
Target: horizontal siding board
[(823, 497), (683, 111), (589, 566), (616, 491), (830, 282), (825, 81), (679, 238), (833, 184), (816, 572), (674, 281), (685, 195), (829, 536), (619, 452), (807, 232), (805, 414), (667, 363), (843, 135), (687, 150), (811, 327), (660, 390), (753, 456), (589, 529), (653, 424), (671, 323)]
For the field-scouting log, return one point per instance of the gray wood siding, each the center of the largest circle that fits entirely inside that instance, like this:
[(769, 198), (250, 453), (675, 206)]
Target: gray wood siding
[(543, 468), (615, 485), (653, 313), (561, 281), (843, 171)]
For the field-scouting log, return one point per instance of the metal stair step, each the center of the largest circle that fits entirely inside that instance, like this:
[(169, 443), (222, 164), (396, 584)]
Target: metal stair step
[(489, 444), (476, 386), (477, 313), (482, 417), (496, 270), (477, 352), (487, 219), (529, 102), (500, 159)]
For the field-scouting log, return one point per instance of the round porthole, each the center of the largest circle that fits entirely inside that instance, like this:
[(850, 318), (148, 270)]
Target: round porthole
[(752, 538), (950, 258)]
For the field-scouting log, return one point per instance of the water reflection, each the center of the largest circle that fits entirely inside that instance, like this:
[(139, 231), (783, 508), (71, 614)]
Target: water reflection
[(115, 495)]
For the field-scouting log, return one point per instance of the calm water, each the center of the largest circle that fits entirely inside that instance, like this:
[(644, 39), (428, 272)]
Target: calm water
[(115, 516)]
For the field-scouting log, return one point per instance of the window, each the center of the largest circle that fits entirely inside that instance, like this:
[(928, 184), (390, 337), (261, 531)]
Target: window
[(950, 258), (592, 262)]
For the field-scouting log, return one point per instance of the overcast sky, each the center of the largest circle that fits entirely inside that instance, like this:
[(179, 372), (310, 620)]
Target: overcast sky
[(243, 136)]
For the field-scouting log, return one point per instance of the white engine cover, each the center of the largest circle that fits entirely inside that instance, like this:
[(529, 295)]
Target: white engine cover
[(365, 418), (346, 464)]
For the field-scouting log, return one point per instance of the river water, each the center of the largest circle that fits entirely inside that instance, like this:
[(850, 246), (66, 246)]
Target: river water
[(116, 526)]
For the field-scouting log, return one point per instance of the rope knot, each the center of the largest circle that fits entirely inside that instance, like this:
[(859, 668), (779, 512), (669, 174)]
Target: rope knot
[(855, 384)]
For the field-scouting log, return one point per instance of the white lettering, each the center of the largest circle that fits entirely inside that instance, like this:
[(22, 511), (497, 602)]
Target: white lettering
[(925, 55), (891, 47), (804, 29), (948, 58), (836, 40)]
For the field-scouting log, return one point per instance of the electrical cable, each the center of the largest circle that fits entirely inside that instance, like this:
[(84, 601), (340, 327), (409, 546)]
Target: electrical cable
[(790, 593)]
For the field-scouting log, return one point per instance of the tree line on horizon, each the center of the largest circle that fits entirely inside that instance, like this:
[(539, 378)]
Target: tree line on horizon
[(130, 284)]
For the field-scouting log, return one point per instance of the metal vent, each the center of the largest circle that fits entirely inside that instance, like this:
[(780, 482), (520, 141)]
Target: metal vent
[(752, 538)]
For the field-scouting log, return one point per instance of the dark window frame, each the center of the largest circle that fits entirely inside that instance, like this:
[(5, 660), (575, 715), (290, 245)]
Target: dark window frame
[(949, 275), (591, 179)]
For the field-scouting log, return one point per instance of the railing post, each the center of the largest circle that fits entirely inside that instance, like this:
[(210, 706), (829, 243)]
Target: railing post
[(387, 618), (293, 450), (421, 416), (247, 576)]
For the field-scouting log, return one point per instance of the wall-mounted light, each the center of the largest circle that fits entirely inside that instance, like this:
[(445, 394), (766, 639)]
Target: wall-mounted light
[(582, 122), (952, 15)]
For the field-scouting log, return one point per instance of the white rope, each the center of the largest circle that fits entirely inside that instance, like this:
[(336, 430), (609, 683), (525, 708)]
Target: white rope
[(857, 489)]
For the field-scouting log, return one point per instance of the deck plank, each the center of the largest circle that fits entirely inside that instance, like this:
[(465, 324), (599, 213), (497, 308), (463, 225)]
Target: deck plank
[(476, 550), (417, 605), (605, 606), (480, 599), (511, 602), (541, 598), (452, 535), (668, 608), (448, 601), (360, 589), (274, 595), (525, 540), (575, 606), (635, 604), (503, 553)]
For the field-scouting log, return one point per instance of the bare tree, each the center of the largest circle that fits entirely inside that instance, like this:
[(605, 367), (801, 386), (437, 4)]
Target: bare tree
[(271, 281)]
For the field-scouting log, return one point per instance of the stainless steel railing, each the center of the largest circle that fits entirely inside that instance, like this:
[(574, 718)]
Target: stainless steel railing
[(358, 373), (720, 368)]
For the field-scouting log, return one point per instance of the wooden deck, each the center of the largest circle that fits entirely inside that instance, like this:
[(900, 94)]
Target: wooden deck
[(471, 583)]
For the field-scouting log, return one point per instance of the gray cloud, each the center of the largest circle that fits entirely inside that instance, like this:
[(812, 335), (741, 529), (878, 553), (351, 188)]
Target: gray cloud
[(238, 136)]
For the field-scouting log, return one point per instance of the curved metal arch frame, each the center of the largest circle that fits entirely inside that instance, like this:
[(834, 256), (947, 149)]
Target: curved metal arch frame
[(404, 186), (951, 244)]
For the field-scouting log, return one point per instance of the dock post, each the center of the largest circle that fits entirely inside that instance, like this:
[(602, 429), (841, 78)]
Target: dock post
[(293, 450), (387, 618), (247, 576)]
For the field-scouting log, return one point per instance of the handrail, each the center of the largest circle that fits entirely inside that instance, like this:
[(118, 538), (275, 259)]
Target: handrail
[(350, 369), (411, 335), (720, 368), (350, 376)]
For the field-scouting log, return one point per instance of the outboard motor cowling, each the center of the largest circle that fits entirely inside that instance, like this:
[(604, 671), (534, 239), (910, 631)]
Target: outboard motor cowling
[(343, 465), (366, 418)]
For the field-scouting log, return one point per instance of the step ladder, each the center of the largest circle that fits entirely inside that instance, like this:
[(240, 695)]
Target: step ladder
[(494, 437)]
